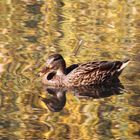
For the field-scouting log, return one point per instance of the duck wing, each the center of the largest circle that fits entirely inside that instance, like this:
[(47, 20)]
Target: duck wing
[(71, 68), (95, 72)]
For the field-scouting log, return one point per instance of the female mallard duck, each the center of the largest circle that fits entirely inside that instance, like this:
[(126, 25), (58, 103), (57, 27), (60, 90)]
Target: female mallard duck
[(56, 74)]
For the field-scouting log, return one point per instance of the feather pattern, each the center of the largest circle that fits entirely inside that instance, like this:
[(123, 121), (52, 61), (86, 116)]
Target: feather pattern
[(93, 73), (81, 74)]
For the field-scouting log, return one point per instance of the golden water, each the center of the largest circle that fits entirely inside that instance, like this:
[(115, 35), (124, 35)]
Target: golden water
[(30, 30)]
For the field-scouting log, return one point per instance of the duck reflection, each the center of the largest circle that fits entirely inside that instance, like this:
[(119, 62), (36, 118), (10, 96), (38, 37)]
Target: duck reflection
[(96, 92), (57, 100)]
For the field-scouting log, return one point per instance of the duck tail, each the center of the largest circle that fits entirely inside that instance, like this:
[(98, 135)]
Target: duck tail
[(124, 64)]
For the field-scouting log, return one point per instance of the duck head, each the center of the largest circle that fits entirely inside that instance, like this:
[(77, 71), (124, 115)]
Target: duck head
[(55, 63)]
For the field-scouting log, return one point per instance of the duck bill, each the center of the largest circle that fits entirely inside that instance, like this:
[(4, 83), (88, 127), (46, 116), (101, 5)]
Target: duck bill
[(43, 71)]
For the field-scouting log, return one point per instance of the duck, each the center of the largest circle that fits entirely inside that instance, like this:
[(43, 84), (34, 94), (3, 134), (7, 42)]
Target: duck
[(55, 73)]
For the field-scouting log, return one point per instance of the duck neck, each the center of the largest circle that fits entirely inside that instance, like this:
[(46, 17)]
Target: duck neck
[(60, 71)]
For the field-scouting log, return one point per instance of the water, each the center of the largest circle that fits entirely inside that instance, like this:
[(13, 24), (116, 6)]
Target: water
[(31, 30)]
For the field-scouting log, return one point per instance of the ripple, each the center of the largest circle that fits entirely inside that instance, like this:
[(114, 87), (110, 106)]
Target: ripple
[(32, 30)]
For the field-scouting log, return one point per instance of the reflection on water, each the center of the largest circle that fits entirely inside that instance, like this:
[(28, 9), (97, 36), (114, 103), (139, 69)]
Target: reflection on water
[(57, 101), (30, 30)]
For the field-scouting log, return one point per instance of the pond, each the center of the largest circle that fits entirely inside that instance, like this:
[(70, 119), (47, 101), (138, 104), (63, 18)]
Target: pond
[(31, 30)]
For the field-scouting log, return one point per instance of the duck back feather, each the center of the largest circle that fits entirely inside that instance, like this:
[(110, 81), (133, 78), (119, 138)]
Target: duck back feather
[(95, 72)]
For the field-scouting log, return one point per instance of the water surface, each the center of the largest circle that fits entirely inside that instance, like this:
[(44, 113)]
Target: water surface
[(31, 30)]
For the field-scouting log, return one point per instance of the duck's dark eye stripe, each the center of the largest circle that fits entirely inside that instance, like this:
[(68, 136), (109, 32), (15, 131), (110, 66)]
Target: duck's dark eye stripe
[(51, 75)]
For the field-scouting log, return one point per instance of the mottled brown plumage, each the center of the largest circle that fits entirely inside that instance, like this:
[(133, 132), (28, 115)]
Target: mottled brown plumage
[(81, 74)]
